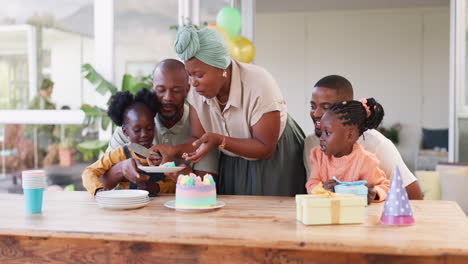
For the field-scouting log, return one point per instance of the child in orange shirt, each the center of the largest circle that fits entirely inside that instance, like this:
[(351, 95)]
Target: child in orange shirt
[(339, 155), (136, 116)]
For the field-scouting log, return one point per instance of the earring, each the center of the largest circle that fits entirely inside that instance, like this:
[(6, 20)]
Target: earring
[(224, 74)]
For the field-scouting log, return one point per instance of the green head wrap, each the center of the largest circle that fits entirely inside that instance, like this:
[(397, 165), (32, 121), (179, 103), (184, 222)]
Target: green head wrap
[(206, 45)]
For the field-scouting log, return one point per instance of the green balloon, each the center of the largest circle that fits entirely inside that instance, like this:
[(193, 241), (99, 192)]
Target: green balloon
[(229, 19)]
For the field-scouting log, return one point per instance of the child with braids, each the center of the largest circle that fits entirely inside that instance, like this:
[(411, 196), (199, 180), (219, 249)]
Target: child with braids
[(135, 114), (339, 155)]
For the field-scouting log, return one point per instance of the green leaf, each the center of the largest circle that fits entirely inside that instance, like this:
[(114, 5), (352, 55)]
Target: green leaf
[(105, 122), (102, 88), (95, 78), (137, 87), (92, 145), (92, 77), (112, 88), (70, 188), (90, 149), (128, 82)]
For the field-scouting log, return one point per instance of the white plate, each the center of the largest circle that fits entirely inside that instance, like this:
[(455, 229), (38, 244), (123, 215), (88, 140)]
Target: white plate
[(123, 194), (122, 207), (154, 169), (122, 198), (171, 204), (122, 202)]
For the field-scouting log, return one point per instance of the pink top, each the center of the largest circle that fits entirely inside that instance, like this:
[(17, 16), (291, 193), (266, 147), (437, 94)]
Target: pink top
[(359, 165)]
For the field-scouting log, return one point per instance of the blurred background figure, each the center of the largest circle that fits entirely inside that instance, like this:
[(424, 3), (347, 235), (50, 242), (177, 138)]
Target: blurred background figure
[(42, 99), (43, 135)]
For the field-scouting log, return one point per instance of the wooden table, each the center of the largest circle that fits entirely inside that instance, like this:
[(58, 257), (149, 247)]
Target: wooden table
[(249, 229)]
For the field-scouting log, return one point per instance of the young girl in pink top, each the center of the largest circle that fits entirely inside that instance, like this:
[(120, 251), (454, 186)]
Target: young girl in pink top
[(339, 155)]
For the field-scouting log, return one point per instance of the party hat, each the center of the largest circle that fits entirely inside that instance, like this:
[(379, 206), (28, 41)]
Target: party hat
[(397, 210)]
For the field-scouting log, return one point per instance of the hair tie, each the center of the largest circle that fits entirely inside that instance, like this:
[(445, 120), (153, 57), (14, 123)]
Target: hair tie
[(364, 104)]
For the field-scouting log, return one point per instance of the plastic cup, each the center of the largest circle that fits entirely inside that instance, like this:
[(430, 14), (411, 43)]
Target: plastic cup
[(33, 200), (33, 188)]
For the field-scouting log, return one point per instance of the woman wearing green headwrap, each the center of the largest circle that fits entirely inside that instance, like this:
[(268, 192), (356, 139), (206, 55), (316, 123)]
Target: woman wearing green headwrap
[(239, 109)]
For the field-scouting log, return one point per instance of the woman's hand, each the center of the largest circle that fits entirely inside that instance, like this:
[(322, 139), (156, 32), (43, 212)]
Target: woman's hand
[(168, 153), (153, 159), (204, 144), (129, 171)]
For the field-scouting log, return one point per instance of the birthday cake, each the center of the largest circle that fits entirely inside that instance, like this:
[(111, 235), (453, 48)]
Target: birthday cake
[(193, 192)]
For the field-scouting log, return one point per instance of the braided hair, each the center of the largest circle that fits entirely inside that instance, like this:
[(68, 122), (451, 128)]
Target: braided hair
[(367, 114), (124, 101)]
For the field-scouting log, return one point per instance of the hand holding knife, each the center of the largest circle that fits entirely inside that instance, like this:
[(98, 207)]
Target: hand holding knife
[(151, 156)]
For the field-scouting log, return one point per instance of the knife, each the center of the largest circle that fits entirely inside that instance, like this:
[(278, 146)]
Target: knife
[(140, 150)]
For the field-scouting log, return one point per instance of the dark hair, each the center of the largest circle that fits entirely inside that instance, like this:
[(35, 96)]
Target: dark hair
[(46, 83), (354, 113), (338, 83), (122, 102)]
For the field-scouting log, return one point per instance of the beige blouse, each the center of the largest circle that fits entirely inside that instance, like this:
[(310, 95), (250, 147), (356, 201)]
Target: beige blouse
[(253, 93)]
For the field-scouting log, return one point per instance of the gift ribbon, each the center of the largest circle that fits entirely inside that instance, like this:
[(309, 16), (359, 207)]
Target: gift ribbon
[(335, 211), (334, 203)]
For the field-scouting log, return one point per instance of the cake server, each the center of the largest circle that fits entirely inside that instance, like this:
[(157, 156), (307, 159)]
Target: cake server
[(140, 150)]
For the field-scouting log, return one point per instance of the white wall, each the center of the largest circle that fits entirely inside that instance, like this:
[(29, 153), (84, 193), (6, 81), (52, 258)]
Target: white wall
[(398, 56), (68, 51)]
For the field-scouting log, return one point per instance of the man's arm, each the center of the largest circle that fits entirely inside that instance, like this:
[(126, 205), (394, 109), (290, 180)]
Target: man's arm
[(118, 139), (389, 158), (414, 191), (310, 142)]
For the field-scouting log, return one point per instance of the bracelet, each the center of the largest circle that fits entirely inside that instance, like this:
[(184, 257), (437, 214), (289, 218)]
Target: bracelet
[(223, 143)]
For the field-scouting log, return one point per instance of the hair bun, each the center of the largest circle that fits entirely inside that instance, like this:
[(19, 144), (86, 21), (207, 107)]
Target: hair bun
[(187, 43), (377, 114)]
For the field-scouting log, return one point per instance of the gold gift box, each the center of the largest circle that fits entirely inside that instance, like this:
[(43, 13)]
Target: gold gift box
[(323, 209)]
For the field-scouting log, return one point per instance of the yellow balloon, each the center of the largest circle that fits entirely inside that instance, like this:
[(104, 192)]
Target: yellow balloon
[(243, 50), (225, 36)]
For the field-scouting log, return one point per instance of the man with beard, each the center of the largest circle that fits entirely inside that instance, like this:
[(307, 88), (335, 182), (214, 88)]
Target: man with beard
[(334, 88), (172, 125)]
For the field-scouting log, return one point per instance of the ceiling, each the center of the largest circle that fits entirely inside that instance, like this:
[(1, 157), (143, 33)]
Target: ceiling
[(276, 6)]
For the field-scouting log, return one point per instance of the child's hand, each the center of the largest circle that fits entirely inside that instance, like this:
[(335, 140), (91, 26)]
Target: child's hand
[(153, 159), (129, 171), (371, 194), (329, 185)]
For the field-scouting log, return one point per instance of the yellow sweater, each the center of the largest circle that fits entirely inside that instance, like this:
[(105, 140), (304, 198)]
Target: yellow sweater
[(92, 173)]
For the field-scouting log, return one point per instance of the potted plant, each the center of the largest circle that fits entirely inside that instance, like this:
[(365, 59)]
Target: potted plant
[(69, 137), (66, 153), (392, 132)]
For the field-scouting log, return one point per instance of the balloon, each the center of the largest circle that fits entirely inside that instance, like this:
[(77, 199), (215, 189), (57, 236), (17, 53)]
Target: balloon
[(243, 50), (229, 19), (225, 36)]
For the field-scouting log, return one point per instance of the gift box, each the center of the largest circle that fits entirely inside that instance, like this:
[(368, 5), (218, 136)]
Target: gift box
[(323, 209), (357, 188)]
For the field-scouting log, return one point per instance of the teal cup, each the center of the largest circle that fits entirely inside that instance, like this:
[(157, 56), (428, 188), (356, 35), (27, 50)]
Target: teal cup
[(33, 200)]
